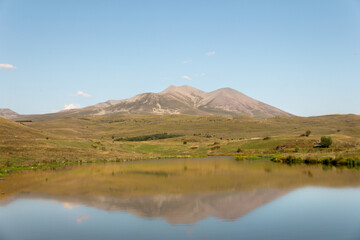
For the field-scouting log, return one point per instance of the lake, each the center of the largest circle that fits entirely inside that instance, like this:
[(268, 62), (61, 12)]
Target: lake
[(204, 198)]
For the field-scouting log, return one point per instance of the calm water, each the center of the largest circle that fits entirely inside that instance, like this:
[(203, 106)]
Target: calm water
[(214, 198)]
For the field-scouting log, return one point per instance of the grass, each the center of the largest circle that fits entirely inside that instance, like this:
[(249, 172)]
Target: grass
[(218, 126), (71, 140)]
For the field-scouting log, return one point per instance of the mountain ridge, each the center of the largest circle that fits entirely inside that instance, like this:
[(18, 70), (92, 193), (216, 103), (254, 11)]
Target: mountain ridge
[(189, 100), (183, 99)]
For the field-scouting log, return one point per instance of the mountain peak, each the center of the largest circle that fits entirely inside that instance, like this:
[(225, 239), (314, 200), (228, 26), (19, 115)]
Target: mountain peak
[(227, 89), (173, 88), (184, 90)]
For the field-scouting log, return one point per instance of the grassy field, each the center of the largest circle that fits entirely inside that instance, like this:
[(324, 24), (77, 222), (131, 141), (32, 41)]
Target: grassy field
[(70, 140)]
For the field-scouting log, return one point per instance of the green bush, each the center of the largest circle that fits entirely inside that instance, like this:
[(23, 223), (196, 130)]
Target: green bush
[(149, 137), (325, 142)]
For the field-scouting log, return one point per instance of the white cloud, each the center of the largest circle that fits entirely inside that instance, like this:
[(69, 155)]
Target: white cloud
[(82, 94), (186, 77), (7, 66), (186, 61), (210, 53), (200, 74), (71, 106)]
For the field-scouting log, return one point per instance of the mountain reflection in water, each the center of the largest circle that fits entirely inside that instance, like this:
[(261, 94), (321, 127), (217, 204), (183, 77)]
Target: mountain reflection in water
[(187, 192), (176, 209)]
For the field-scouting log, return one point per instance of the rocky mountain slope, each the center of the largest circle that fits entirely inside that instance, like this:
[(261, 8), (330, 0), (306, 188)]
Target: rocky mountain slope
[(177, 100), (189, 100), (8, 114)]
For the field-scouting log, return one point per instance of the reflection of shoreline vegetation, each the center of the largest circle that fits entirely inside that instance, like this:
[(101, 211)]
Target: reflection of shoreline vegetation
[(289, 159), (338, 161), (4, 171), (350, 162), (175, 176), (7, 170)]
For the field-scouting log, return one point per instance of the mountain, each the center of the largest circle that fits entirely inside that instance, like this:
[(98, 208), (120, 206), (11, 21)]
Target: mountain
[(8, 113), (177, 100), (189, 100)]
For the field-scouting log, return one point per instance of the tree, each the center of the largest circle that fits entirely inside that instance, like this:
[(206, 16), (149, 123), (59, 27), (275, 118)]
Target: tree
[(307, 133), (325, 142)]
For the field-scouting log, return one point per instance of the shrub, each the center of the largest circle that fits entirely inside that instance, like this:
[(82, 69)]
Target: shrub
[(325, 142), (149, 137), (291, 159), (296, 149), (266, 138), (307, 133)]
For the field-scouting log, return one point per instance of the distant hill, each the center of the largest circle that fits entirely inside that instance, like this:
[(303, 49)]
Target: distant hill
[(8, 113), (10, 130), (176, 100)]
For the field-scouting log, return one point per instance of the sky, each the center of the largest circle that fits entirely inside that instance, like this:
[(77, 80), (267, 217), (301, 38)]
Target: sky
[(300, 56)]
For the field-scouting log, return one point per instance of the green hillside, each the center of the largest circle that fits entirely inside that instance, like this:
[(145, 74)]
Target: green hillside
[(72, 140)]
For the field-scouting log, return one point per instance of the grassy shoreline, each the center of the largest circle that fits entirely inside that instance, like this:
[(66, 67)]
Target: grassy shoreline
[(4, 171), (67, 141), (337, 161)]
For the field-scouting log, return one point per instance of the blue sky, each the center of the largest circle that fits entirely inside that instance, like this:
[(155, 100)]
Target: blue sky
[(300, 56)]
